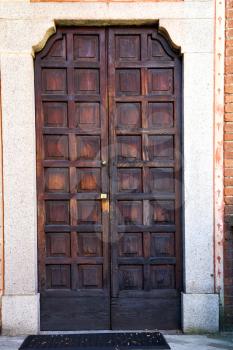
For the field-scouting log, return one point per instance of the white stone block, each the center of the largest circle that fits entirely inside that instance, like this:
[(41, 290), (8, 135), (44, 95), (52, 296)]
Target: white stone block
[(19, 172), (198, 173), (22, 35), (84, 10), (20, 314), (200, 312), (193, 40)]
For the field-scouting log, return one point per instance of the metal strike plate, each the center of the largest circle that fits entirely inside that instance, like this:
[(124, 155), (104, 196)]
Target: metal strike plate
[(103, 196)]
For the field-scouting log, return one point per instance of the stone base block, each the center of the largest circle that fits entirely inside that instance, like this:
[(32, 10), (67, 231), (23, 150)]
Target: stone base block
[(200, 313), (20, 314)]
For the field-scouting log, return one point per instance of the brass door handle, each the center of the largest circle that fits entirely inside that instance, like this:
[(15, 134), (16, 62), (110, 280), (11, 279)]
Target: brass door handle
[(103, 196)]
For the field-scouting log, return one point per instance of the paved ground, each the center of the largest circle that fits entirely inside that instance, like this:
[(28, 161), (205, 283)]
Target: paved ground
[(199, 342), (176, 342)]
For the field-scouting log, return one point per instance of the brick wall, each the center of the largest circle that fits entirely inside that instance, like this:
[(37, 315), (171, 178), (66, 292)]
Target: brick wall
[(228, 171)]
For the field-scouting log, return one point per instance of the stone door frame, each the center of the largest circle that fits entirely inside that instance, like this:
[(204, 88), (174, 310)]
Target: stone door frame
[(190, 25)]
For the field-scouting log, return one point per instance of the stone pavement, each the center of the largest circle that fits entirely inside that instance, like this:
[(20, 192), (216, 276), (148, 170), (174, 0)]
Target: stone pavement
[(176, 342)]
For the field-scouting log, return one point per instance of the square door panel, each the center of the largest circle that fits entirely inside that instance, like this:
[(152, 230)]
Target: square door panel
[(88, 180), (57, 212), (58, 50), (161, 115), (86, 47), (89, 212), (162, 277), (90, 276), (130, 244), (161, 146), (55, 114), (161, 180), (58, 244), (162, 211), (156, 50), (57, 180), (88, 147), (162, 244), (128, 47), (129, 148), (128, 82), (160, 81), (58, 277), (86, 81), (87, 115), (129, 180), (89, 244), (129, 115), (54, 81), (130, 277), (56, 147), (129, 212)]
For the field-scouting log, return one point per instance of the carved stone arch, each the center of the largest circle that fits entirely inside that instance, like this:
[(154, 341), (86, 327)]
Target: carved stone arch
[(167, 41), (164, 36), (45, 38)]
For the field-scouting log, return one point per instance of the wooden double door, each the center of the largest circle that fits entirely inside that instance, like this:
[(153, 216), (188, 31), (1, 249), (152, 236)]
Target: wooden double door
[(108, 111)]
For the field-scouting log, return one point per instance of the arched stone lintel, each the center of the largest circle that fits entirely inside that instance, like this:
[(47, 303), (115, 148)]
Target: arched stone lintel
[(100, 23), (176, 48), (41, 44)]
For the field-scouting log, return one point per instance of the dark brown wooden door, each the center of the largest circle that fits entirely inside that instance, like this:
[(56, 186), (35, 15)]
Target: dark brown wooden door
[(144, 102), (108, 167)]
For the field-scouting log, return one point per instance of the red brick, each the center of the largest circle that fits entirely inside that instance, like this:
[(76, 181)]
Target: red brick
[(229, 33), (229, 13), (229, 258), (229, 42), (228, 181), (228, 155), (228, 146), (228, 199), (229, 3), (229, 290), (228, 137), (229, 23), (228, 117), (229, 281), (228, 191), (229, 79), (228, 164), (229, 98), (228, 127), (229, 68), (229, 87), (229, 107), (228, 172), (228, 209), (229, 50), (229, 60)]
